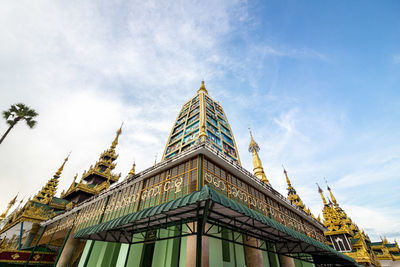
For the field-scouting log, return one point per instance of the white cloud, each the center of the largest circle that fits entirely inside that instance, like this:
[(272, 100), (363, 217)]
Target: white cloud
[(88, 66)]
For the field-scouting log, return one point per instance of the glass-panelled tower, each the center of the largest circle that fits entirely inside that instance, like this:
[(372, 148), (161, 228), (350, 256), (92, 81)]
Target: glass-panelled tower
[(201, 115)]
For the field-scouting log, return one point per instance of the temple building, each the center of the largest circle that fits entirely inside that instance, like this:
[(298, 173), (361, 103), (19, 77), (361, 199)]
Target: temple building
[(197, 207), (21, 230)]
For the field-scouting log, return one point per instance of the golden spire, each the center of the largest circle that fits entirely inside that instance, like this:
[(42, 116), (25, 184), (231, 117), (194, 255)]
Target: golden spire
[(258, 169), (203, 135), (132, 171), (332, 197), (287, 179), (58, 173), (115, 142), (294, 198), (322, 195), (10, 204), (202, 88), (49, 190)]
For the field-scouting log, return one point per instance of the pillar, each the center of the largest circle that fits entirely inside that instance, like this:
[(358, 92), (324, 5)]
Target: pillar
[(68, 252), (286, 261), (31, 236), (253, 256), (191, 245)]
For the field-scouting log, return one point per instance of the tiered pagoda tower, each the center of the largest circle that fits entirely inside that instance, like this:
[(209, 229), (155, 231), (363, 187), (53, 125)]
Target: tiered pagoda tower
[(98, 178), (47, 194), (201, 118), (294, 198)]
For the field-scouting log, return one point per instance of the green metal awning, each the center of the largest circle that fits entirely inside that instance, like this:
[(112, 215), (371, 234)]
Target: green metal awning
[(216, 209), (142, 215)]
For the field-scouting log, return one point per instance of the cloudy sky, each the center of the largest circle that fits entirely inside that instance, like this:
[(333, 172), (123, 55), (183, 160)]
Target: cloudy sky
[(318, 82)]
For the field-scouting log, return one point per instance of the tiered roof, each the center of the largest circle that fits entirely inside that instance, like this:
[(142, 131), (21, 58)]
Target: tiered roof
[(338, 223), (295, 199), (98, 178)]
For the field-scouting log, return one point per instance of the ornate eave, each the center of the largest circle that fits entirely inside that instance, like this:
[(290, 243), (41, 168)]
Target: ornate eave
[(85, 188), (385, 251), (31, 213), (107, 174), (109, 153), (57, 206)]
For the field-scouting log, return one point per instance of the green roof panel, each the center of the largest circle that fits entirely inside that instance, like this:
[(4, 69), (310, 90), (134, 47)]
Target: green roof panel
[(206, 193)]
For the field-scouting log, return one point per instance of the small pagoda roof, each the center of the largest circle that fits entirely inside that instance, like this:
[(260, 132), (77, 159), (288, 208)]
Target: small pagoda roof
[(376, 244), (60, 201)]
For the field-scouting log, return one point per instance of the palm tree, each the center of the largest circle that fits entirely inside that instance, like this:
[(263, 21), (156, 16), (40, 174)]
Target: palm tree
[(16, 113)]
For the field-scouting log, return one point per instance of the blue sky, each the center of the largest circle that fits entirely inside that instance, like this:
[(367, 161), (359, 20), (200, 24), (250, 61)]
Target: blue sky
[(317, 81)]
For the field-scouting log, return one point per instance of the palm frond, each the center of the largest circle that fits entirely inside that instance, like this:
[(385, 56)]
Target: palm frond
[(31, 123), (30, 113), (13, 109), (6, 114), (19, 112)]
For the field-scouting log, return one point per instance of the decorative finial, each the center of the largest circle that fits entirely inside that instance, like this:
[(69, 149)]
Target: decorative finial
[(319, 188), (132, 171), (253, 146), (12, 202), (330, 192), (322, 195), (287, 179), (115, 142), (155, 159), (202, 88), (120, 128), (59, 171)]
